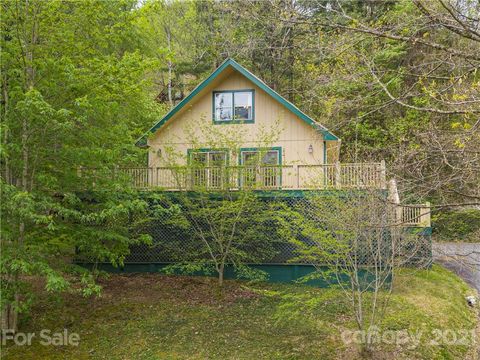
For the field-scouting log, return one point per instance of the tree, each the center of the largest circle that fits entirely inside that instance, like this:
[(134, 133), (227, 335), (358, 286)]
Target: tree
[(426, 68), (356, 244), (174, 34), (228, 229), (68, 102), (230, 225)]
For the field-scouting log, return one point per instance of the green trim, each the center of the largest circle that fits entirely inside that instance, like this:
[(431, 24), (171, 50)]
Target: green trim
[(288, 193), (420, 230), (275, 193), (224, 122), (282, 193), (282, 273), (324, 152), (327, 135), (277, 273), (142, 142)]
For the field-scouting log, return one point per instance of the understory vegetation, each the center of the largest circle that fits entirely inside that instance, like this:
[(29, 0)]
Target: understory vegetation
[(457, 226), (151, 316)]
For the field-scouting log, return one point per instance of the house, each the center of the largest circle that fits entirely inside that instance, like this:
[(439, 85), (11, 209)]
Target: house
[(233, 96), (301, 155)]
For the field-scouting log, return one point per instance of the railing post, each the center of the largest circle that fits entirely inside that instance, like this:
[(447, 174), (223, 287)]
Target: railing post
[(399, 210), (383, 175), (338, 175), (425, 218), (296, 169)]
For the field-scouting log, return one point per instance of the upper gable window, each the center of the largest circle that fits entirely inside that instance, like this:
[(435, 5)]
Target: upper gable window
[(233, 106)]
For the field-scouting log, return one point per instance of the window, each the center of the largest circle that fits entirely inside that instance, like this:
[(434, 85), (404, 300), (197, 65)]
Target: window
[(243, 106), (223, 106), (233, 106), (261, 157), (208, 157), (208, 167), (261, 167)]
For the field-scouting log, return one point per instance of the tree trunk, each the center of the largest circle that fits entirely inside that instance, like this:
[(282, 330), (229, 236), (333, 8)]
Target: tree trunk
[(291, 56), (170, 68), (8, 180), (10, 313), (9, 319), (221, 271)]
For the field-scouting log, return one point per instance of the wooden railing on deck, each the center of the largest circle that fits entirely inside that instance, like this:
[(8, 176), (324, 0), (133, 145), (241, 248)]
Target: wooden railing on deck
[(414, 215), (267, 177)]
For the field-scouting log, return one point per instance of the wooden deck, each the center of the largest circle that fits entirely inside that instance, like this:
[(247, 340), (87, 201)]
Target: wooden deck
[(336, 176), (289, 177)]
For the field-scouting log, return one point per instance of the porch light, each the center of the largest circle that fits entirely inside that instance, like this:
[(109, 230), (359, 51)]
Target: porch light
[(310, 149), (159, 152)]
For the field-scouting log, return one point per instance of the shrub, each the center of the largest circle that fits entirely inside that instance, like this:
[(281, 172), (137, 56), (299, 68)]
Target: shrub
[(457, 225)]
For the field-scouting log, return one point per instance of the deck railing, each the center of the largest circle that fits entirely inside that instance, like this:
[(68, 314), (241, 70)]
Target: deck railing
[(264, 177), (269, 177), (414, 215)]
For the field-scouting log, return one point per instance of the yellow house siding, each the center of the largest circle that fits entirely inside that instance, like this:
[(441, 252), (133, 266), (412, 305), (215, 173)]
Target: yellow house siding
[(294, 136)]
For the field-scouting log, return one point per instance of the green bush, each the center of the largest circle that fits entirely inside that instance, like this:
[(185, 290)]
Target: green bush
[(457, 225)]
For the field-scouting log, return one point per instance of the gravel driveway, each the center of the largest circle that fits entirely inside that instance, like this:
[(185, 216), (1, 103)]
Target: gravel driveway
[(462, 258)]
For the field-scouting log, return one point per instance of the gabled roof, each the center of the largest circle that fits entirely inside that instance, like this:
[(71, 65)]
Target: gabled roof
[(232, 63)]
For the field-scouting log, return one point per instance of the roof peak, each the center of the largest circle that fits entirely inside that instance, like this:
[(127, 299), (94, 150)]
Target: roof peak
[(253, 78)]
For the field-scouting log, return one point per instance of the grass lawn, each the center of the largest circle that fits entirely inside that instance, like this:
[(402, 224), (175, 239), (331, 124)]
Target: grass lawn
[(151, 316)]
